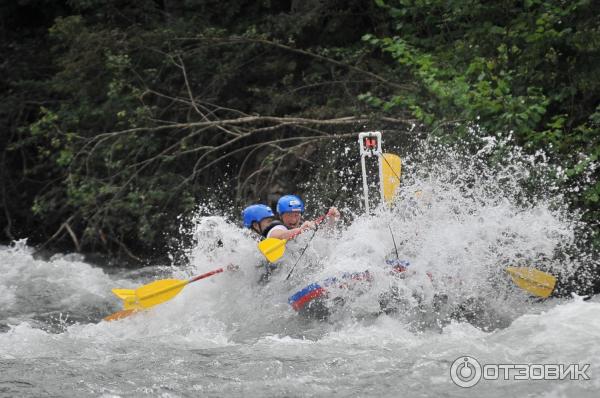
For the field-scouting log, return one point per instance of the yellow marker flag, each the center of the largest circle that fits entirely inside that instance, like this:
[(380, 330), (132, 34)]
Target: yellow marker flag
[(392, 169)]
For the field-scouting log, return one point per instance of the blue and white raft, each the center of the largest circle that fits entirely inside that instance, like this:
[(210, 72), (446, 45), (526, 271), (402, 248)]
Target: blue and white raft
[(311, 299)]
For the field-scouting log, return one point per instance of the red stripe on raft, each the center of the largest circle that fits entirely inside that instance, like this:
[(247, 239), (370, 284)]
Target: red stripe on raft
[(298, 305)]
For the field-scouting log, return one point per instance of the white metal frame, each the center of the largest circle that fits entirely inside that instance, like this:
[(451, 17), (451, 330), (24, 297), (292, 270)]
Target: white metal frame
[(368, 152)]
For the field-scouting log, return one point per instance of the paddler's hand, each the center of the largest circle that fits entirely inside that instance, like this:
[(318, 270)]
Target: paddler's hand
[(232, 267), (307, 225), (333, 214)]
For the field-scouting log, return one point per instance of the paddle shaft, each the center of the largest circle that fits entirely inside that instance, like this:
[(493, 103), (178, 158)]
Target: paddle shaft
[(183, 283), (206, 275), (317, 222), (394, 240), (294, 235)]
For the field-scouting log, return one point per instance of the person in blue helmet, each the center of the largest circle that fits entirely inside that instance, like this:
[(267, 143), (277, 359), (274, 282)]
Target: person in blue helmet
[(290, 209), (261, 219)]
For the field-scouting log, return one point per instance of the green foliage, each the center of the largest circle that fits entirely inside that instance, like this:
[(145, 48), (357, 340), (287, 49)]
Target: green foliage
[(103, 99), (119, 74), (529, 69)]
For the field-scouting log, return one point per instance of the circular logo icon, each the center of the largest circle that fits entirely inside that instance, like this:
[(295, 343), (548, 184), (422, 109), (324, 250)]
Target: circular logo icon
[(465, 371)]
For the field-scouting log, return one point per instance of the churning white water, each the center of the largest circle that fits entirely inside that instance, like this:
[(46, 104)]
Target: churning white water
[(231, 335)]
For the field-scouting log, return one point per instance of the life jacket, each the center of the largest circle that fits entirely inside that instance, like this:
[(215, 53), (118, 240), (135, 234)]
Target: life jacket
[(269, 267), (269, 227)]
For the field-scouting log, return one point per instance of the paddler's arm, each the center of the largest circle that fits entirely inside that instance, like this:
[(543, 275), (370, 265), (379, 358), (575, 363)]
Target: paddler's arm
[(287, 234)]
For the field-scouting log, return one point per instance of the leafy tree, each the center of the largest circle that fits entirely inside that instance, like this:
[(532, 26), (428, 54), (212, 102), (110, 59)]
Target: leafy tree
[(529, 69), (156, 106)]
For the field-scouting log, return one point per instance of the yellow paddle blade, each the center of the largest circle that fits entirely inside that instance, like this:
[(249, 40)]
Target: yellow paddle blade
[(536, 282), (123, 293), (120, 315), (130, 300), (159, 291), (392, 168), (272, 248)]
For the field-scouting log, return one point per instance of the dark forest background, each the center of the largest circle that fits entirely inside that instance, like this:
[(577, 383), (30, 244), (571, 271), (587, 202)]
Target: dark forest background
[(118, 117)]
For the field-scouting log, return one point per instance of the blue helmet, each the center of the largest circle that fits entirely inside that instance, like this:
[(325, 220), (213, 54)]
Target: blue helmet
[(256, 213), (290, 203)]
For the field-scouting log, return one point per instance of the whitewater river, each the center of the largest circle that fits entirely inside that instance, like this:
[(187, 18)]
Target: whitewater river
[(230, 336)]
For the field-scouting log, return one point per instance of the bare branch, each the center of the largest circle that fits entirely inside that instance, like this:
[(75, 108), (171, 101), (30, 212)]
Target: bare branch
[(249, 120), (73, 236), (245, 40)]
